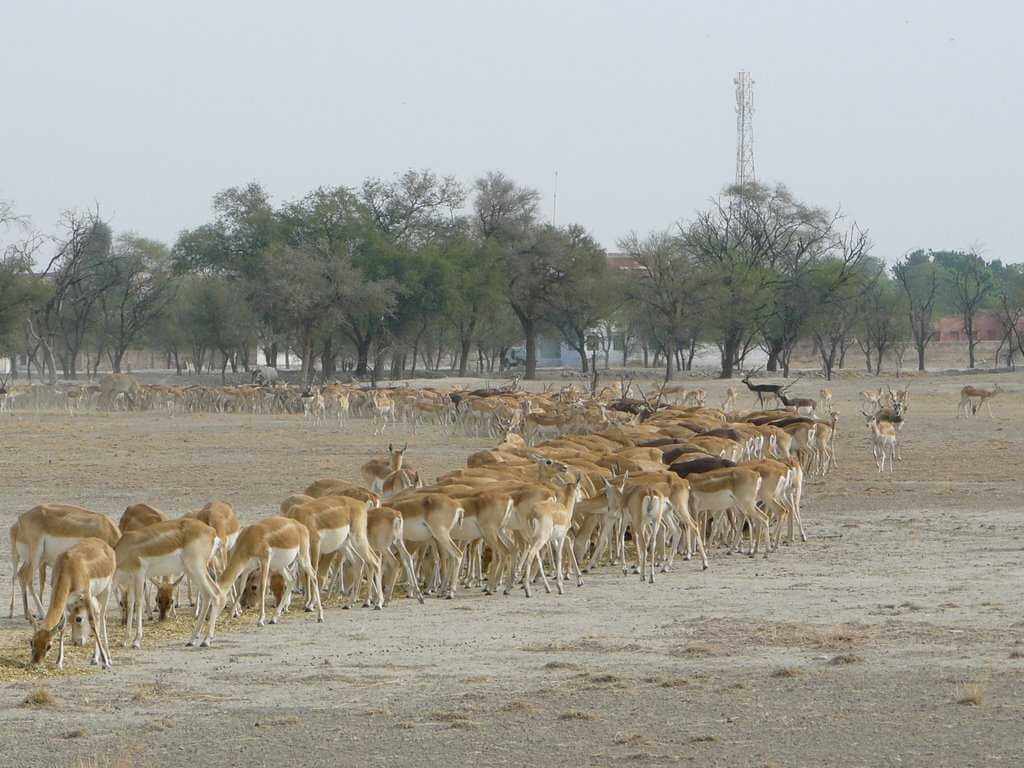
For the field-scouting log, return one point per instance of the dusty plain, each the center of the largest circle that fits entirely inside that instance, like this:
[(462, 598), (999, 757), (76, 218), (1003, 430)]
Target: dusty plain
[(895, 636)]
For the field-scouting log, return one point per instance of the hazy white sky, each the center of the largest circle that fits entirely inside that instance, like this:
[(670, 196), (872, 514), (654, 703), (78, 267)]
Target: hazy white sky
[(908, 114)]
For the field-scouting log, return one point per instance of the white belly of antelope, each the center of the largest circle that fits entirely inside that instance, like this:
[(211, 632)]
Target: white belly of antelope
[(467, 530), (164, 565), (54, 547), (332, 539), (415, 529), (281, 558)]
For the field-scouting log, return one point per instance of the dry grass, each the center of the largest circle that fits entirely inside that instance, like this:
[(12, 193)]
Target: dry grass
[(674, 681), (845, 658), (1017, 653), (453, 718), (577, 714), (787, 672), (40, 698), (705, 739), (970, 694), (122, 760), (631, 739), (77, 733), (519, 706), (696, 649), (561, 665)]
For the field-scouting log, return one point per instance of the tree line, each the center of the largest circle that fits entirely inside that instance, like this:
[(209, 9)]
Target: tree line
[(422, 271)]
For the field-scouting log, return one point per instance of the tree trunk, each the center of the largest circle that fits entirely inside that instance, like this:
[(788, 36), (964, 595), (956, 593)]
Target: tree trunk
[(970, 349), (307, 356), (362, 356), (920, 356), (729, 349), (670, 358), (115, 362), (464, 355), (773, 359), (530, 329)]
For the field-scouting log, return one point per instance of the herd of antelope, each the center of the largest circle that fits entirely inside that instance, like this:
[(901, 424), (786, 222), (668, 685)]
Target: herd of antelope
[(558, 496), (572, 480)]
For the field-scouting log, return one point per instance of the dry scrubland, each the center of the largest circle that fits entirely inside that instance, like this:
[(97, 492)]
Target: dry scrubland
[(895, 636)]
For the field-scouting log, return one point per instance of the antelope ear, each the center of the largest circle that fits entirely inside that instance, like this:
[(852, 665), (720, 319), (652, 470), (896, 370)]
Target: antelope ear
[(35, 622), (391, 448)]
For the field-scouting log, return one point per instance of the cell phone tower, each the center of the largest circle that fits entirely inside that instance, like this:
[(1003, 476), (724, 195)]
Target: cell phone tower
[(744, 128)]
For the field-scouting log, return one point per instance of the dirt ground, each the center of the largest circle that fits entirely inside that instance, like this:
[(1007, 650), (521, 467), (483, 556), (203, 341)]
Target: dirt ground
[(895, 636)]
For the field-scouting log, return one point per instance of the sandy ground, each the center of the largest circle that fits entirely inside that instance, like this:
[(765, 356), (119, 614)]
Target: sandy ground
[(853, 649)]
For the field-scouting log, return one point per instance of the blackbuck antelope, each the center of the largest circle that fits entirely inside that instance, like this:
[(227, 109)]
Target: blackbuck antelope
[(376, 471), (43, 534), (82, 574), (269, 546), (164, 550), (883, 440), (973, 398), (826, 398)]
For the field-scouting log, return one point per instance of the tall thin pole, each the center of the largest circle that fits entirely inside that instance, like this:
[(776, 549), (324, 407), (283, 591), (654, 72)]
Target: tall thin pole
[(744, 128), (554, 204)]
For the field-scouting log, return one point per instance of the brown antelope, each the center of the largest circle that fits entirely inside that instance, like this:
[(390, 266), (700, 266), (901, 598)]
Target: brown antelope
[(883, 440), (729, 403), (165, 549), (139, 516), (984, 396), (271, 546), (46, 532), (375, 471), (644, 506), (384, 531), (872, 399), (331, 521), (430, 517), (83, 573), (731, 488), (826, 398), (334, 487)]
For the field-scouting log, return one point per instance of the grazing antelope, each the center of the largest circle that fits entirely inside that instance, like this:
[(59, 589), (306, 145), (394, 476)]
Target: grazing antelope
[(271, 546), (983, 396), (139, 516), (83, 574), (165, 549), (376, 471), (44, 533)]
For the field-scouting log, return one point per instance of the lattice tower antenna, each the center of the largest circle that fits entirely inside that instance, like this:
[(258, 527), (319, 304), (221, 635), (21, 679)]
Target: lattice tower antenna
[(744, 128)]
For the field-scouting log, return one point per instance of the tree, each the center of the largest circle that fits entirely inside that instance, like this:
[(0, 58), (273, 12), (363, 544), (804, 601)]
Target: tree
[(740, 243), (883, 322), (216, 319), (970, 284), (20, 289), (472, 288), (919, 278), (587, 293), (505, 214), (140, 286), (667, 290)]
